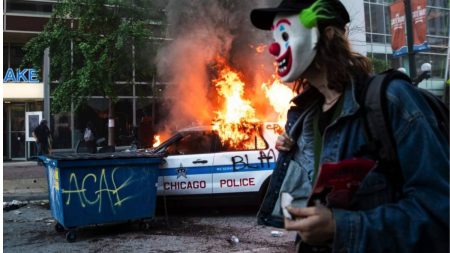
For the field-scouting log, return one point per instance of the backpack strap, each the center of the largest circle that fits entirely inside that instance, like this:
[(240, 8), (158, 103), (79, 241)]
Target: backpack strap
[(381, 143), (441, 111), (378, 130)]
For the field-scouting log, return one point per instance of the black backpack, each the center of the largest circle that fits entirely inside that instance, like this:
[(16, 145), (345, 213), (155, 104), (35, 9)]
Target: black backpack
[(381, 141)]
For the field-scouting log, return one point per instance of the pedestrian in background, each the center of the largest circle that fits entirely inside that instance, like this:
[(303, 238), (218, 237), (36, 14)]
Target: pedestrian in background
[(408, 213), (43, 138), (89, 138)]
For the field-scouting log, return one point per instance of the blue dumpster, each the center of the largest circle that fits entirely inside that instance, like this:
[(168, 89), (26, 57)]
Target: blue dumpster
[(87, 189)]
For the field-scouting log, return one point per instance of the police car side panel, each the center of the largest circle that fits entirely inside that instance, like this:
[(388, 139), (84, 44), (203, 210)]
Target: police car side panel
[(242, 171), (186, 175)]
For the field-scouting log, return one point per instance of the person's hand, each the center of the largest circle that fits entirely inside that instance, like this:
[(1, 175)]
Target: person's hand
[(315, 225), (284, 142)]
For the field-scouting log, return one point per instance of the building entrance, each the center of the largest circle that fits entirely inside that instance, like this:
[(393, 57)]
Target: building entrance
[(16, 119)]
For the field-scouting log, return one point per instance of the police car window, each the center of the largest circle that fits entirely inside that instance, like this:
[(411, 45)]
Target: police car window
[(192, 143), (254, 142)]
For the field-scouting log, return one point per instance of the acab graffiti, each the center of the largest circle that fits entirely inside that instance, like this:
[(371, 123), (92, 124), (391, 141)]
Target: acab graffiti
[(91, 190)]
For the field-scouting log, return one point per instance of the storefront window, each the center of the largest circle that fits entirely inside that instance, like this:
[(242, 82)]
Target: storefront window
[(61, 130), (123, 122), (96, 111), (438, 22)]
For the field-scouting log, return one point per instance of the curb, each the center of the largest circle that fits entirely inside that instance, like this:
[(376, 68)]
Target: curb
[(29, 196)]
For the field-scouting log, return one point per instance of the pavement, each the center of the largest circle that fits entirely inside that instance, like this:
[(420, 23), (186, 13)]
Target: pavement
[(24, 181)]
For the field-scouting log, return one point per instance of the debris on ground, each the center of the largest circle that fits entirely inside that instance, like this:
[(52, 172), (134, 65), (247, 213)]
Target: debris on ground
[(233, 240), (13, 205), (275, 233)]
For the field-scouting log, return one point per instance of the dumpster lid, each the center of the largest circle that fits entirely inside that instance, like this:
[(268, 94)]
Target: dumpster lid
[(101, 156)]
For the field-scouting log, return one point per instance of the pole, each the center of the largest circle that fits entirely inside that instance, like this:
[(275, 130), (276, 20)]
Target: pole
[(410, 39), (46, 80)]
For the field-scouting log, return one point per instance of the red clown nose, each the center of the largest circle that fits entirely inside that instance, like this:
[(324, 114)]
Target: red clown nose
[(274, 49)]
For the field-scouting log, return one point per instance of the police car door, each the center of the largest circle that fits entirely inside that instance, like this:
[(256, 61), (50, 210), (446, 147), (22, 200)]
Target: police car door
[(238, 169), (187, 169)]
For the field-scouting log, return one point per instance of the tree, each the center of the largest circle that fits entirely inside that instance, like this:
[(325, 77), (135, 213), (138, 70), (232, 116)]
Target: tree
[(379, 65), (90, 42)]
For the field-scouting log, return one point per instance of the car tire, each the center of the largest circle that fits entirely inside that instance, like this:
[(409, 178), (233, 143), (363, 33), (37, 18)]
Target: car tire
[(263, 190)]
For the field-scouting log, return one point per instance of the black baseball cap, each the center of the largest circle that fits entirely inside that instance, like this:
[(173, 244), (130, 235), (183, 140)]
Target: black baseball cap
[(263, 18)]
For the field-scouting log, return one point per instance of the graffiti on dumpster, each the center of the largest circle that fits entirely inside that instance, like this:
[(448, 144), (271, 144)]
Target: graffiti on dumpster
[(90, 185)]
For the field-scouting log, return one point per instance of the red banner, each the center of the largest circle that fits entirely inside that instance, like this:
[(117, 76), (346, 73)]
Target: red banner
[(398, 26), (419, 19)]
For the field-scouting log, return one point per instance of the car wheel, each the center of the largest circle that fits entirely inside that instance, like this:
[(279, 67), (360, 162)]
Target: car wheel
[(263, 190)]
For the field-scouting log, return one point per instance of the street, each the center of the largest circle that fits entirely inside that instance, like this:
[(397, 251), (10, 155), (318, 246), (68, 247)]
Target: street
[(31, 229)]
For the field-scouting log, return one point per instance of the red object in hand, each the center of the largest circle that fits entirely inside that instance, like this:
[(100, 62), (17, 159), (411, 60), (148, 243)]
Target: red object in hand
[(274, 49), (337, 182)]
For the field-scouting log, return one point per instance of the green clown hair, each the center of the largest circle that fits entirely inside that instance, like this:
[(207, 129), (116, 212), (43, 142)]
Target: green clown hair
[(319, 10)]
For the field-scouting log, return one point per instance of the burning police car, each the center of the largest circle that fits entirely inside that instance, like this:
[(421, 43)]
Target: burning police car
[(198, 163)]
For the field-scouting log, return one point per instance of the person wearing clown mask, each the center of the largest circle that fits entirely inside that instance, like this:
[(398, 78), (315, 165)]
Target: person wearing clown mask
[(326, 125)]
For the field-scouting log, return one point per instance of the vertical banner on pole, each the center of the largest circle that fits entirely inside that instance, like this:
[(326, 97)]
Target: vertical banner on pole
[(398, 26), (419, 19), (398, 29)]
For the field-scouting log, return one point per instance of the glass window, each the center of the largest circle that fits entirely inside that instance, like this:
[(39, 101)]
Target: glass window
[(437, 64), (143, 90), (367, 17), (438, 41), (144, 120), (145, 60), (123, 120), (125, 71), (124, 89), (193, 143), (61, 130), (5, 131), (95, 110), (439, 3), (5, 58), (19, 6), (438, 22), (378, 25), (394, 61), (378, 38), (379, 62), (368, 37), (16, 55)]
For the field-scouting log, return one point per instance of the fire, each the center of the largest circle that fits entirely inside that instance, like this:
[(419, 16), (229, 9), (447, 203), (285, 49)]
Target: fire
[(236, 121), (261, 48), (278, 95), (156, 141)]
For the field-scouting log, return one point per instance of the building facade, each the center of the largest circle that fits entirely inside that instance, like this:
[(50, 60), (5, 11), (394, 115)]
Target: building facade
[(140, 92)]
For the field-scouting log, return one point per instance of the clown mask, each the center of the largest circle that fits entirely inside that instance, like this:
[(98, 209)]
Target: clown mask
[(294, 46)]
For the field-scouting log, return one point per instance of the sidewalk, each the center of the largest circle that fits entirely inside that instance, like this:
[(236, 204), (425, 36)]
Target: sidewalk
[(24, 181)]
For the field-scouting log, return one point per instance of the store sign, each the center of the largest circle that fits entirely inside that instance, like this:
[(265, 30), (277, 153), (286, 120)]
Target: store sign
[(21, 76)]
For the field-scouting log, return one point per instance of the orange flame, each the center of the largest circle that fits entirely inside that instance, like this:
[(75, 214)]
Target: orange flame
[(236, 121), (261, 48), (278, 95), (156, 141)]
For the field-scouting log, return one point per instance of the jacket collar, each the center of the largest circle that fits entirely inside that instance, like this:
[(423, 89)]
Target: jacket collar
[(350, 106)]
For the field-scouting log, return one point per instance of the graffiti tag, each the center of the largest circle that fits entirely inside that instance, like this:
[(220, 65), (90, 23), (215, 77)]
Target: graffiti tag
[(90, 185)]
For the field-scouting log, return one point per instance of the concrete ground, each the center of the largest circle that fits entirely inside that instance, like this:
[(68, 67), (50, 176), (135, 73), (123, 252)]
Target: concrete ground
[(24, 181), (31, 228)]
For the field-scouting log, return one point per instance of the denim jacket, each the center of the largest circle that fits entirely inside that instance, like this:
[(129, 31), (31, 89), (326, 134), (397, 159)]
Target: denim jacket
[(416, 219)]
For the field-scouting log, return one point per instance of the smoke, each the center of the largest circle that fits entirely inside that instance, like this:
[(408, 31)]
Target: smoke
[(199, 31)]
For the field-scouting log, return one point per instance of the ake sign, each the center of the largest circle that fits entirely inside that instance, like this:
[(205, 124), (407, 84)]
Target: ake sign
[(21, 76)]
